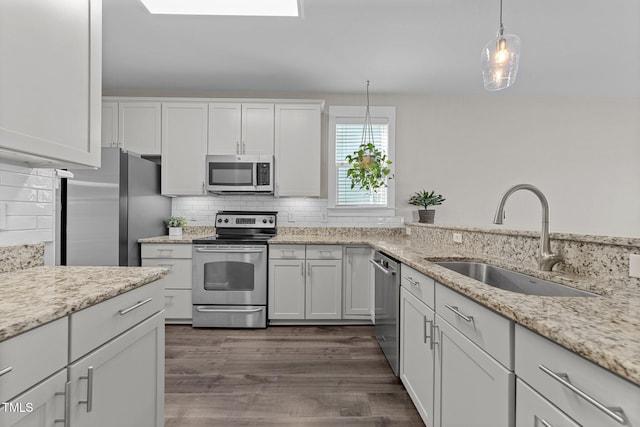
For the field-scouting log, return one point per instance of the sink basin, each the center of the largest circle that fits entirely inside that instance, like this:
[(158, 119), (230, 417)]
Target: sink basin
[(511, 280)]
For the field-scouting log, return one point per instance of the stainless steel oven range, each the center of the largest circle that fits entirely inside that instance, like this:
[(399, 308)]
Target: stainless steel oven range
[(230, 271)]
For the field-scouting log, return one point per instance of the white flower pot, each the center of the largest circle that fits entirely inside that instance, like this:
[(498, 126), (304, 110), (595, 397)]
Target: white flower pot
[(175, 231)]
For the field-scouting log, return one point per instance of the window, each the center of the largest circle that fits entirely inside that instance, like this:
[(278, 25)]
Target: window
[(345, 135)]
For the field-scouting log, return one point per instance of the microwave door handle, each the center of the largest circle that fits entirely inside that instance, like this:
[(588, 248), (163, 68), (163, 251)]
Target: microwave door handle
[(255, 175)]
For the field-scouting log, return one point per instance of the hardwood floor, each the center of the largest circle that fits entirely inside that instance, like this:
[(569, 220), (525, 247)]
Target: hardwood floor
[(281, 376)]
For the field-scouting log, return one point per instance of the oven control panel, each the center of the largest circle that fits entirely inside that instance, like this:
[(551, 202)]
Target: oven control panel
[(228, 220)]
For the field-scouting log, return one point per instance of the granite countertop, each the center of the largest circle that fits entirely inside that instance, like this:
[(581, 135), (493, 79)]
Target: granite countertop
[(603, 329), (184, 239), (38, 295)]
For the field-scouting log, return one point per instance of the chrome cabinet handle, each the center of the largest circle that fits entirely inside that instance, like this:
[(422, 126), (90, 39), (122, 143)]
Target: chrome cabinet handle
[(616, 413), (67, 404), (413, 282), (457, 312), (434, 334), (89, 378), (133, 307), (238, 147), (169, 266), (544, 422), (430, 329), (244, 147), (6, 370), (309, 269)]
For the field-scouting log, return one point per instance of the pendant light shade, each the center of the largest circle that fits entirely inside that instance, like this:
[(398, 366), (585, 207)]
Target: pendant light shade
[(500, 59)]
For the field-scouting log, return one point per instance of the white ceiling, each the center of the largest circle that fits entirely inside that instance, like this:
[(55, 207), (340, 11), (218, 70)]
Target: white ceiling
[(570, 47)]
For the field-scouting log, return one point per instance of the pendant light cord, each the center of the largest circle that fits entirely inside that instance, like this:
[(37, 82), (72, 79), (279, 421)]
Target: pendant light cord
[(367, 130), (501, 26)]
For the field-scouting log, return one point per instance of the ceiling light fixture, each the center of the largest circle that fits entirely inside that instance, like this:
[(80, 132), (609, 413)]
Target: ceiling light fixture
[(224, 7), (500, 59)]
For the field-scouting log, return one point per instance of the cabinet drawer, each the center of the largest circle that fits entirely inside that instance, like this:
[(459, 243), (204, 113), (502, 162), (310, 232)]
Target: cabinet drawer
[(177, 304), (179, 276), (32, 356), (421, 286), (324, 252), (152, 250), (533, 410), (286, 251), (98, 324), (488, 330), (538, 359)]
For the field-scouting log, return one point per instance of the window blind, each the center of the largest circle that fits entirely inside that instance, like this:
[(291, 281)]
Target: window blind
[(348, 139)]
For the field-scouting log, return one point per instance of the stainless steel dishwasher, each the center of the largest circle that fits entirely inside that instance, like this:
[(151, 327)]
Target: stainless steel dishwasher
[(387, 297)]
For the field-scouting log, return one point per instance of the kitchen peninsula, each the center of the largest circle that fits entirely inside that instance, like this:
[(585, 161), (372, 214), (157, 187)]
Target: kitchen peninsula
[(73, 331)]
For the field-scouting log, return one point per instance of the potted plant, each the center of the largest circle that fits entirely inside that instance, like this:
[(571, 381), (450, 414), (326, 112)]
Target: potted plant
[(175, 224), (369, 168), (425, 199)]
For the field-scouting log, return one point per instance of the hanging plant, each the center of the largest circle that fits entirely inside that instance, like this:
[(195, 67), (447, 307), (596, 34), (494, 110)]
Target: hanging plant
[(369, 167)]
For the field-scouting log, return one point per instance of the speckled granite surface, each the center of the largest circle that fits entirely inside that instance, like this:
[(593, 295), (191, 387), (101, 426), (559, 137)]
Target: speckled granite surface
[(184, 239), (34, 296), (605, 329), (14, 258)]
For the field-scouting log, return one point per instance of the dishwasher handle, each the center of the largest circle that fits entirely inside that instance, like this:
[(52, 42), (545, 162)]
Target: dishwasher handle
[(381, 268)]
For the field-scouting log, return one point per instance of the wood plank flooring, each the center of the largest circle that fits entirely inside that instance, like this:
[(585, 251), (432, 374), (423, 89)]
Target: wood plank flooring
[(281, 376)]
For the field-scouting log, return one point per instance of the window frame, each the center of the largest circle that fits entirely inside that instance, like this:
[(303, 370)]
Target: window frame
[(338, 113)]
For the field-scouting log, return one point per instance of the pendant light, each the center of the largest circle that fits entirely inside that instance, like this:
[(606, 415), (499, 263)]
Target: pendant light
[(500, 59)]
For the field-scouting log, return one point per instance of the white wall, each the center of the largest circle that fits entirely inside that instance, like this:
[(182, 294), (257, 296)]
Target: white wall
[(28, 195), (582, 152)]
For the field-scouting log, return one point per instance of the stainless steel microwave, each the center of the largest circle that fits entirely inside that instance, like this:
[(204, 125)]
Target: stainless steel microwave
[(228, 174)]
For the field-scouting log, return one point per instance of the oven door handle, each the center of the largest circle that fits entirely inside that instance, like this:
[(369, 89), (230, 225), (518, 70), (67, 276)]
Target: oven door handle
[(227, 310), (231, 251)]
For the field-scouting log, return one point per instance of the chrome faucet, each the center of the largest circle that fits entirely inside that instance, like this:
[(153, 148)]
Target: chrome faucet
[(547, 259)]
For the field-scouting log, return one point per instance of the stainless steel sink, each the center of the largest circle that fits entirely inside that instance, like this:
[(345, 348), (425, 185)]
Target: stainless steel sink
[(511, 280)]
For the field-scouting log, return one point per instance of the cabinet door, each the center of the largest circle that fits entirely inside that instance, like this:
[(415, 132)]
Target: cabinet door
[(324, 289), (122, 382), (533, 410), (297, 150), (225, 127), (417, 354), (51, 81), (286, 289), (40, 406), (184, 141), (139, 127), (357, 282), (257, 129), (472, 388), (109, 124)]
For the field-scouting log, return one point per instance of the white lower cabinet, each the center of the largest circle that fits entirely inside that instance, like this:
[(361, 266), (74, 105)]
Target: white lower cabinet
[(417, 354), (177, 283), (305, 282), (357, 282), (587, 393), (472, 388), (446, 359), (40, 406), (121, 383), (533, 410)]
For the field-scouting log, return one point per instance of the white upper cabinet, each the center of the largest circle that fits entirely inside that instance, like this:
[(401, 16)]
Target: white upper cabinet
[(236, 128), (51, 82), (184, 142), (225, 128), (297, 149), (133, 126), (139, 127)]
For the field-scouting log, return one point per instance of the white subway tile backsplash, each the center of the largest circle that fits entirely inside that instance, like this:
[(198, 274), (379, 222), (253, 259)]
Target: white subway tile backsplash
[(306, 212), (28, 194)]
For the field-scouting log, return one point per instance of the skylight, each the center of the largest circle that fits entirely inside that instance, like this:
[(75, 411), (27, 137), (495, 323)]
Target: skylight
[(223, 7)]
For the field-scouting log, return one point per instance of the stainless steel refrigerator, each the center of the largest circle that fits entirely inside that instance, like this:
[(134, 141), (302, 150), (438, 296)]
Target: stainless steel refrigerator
[(106, 211)]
